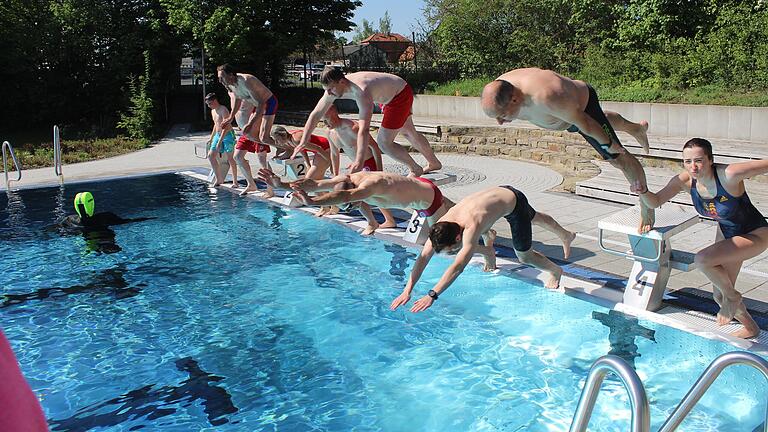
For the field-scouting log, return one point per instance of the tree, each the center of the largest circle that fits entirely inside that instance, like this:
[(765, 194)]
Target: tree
[(385, 24), (363, 31)]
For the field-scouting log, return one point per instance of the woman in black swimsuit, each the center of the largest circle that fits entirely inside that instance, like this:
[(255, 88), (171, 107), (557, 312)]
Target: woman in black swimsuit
[(717, 191)]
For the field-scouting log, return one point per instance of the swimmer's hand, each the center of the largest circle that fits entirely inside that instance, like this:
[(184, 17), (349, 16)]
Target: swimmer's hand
[(269, 177), (303, 197), (400, 300), (306, 184), (354, 167), (422, 304), (298, 149)]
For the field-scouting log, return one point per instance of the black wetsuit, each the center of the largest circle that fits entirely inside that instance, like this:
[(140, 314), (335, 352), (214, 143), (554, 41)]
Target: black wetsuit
[(593, 110), (95, 230), (520, 221)]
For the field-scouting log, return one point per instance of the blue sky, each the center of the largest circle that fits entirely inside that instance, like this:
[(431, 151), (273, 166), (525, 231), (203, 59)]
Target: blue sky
[(404, 14)]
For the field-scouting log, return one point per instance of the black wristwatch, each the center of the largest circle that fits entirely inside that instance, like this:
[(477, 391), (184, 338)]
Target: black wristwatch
[(433, 294)]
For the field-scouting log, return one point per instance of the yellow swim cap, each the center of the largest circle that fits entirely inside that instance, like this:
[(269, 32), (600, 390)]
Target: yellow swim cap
[(84, 199)]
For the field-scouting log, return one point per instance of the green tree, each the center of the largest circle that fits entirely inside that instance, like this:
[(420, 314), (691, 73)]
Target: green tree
[(385, 23), (364, 30)]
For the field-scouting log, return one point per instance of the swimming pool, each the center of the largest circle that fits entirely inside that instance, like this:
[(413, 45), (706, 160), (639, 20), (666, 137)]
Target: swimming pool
[(227, 314)]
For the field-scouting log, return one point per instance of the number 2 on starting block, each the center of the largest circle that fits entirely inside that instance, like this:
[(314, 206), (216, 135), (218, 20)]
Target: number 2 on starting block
[(417, 229), (291, 201), (295, 169)]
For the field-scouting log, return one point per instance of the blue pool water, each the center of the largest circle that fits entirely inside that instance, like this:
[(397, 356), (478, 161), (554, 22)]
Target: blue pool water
[(225, 314)]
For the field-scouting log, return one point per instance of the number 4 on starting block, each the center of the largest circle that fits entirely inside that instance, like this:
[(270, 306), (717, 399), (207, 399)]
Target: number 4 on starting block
[(417, 229)]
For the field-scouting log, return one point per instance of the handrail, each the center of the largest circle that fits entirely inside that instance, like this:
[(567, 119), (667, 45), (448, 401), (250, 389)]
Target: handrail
[(638, 400), (57, 153), (7, 145), (205, 154), (705, 381)]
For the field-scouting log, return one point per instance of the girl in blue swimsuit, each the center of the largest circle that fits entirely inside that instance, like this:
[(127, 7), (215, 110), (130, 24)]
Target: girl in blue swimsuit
[(717, 192)]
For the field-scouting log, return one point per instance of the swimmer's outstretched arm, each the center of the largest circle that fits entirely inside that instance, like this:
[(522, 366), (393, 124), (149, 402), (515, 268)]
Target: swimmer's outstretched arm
[(654, 200), (468, 242), (310, 185), (418, 268), (336, 197)]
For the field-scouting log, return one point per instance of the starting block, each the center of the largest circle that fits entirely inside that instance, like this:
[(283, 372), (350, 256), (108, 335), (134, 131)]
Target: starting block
[(291, 201), (292, 169), (650, 252), (417, 229)]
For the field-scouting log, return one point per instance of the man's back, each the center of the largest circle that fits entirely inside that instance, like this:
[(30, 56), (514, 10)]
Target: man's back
[(382, 87)]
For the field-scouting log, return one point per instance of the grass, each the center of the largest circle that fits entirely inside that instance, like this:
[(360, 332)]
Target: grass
[(32, 153), (634, 92)]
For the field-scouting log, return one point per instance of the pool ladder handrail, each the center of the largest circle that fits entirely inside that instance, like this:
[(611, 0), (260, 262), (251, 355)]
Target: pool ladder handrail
[(57, 154), (638, 399), (8, 148)]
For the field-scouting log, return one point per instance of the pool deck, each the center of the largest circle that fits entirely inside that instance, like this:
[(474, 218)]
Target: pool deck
[(579, 214)]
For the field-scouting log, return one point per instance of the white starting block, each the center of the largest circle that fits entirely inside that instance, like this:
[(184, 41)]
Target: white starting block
[(651, 252), (417, 229), (291, 201), (292, 169)]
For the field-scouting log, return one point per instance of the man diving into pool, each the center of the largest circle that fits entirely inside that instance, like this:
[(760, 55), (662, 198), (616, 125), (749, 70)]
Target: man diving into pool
[(460, 229), (552, 101), (372, 188), (94, 226)]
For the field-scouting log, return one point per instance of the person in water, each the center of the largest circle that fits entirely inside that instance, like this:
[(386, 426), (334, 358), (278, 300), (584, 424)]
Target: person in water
[(94, 226), (718, 192)]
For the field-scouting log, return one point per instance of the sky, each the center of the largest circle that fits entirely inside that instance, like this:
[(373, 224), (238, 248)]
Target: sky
[(404, 14)]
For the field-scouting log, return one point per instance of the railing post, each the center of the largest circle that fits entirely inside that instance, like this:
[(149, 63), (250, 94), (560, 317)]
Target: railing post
[(638, 400)]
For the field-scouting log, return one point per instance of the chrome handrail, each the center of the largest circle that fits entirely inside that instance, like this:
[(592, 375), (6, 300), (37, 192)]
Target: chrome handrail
[(9, 147), (638, 400), (705, 381), (57, 154)]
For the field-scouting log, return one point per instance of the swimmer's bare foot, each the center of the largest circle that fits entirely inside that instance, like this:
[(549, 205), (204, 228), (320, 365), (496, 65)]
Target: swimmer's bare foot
[(332, 210), (641, 136), (370, 229), (567, 244), (647, 219), (248, 190), (388, 224), (750, 329), (434, 166), (323, 211), (554, 279), (417, 172), (235, 185), (729, 307)]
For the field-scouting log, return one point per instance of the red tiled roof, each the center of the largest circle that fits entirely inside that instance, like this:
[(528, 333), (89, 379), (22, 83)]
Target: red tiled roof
[(385, 37)]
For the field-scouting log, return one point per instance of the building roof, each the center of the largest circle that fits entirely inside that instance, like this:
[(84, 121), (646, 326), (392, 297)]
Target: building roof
[(385, 37)]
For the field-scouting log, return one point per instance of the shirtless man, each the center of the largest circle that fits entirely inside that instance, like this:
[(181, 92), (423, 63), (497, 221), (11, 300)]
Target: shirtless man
[(461, 228), (343, 138), (364, 189), (258, 124), (396, 96), (552, 101), (222, 142)]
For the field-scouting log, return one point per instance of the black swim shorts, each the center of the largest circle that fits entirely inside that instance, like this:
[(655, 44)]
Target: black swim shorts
[(520, 221), (593, 110)]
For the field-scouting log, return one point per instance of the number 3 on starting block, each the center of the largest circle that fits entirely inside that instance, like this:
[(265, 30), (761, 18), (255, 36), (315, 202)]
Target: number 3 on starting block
[(417, 229)]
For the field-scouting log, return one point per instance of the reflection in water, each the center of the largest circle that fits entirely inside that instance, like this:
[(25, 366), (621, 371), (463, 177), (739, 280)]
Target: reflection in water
[(623, 330), (399, 263), (152, 404), (277, 214), (17, 221), (110, 281)]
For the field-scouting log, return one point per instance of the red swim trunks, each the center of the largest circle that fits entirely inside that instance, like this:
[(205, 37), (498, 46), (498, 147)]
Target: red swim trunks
[(317, 140), (370, 165), (243, 143), (397, 111), (437, 201)]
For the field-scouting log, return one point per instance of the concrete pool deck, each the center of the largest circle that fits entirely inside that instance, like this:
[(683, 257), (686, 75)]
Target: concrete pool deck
[(579, 214)]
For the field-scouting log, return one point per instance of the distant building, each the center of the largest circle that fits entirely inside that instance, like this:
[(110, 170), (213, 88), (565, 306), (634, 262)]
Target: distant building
[(376, 51)]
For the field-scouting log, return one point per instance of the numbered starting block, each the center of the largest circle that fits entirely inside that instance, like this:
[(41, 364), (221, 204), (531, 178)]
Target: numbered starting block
[(650, 252), (291, 201), (417, 229), (292, 169)]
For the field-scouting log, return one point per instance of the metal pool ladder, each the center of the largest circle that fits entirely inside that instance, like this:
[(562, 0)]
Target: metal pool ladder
[(8, 148), (638, 400), (57, 154)]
